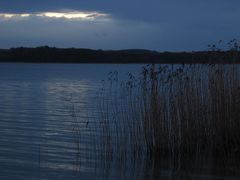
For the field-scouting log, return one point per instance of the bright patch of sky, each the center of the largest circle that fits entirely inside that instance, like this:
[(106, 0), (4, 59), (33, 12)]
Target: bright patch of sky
[(76, 15)]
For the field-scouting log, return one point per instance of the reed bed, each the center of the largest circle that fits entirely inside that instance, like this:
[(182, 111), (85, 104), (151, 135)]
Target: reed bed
[(176, 111)]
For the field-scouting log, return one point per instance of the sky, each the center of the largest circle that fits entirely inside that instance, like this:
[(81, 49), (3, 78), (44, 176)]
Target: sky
[(162, 25)]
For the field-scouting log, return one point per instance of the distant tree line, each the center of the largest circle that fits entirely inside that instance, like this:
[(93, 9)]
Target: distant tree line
[(47, 54)]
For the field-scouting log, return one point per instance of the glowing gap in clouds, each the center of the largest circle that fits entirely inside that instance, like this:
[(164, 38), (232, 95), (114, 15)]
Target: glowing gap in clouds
[(8, 15), (78, 15), (73, 15)]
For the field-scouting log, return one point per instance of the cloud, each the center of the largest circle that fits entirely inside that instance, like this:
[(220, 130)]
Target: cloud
[(155, 24), (140, 10), (89, 30)]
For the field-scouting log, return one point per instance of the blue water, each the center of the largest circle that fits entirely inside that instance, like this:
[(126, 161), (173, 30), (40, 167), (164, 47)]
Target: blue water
[(48, 120), (37, 139)]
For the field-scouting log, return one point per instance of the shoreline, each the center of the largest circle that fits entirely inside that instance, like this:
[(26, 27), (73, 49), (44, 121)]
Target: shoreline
[(131, 56)]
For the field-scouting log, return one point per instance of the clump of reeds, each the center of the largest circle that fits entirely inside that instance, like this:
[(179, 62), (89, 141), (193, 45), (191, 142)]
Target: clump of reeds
[(178, 111)]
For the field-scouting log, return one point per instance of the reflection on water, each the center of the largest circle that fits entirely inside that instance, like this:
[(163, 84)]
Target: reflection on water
[(49, 130)]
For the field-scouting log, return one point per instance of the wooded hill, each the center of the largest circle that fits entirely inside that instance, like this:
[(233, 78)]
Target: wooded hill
[(47, 54)]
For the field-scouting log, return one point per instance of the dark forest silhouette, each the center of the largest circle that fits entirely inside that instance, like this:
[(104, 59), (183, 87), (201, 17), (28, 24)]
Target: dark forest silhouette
[(47, 54)]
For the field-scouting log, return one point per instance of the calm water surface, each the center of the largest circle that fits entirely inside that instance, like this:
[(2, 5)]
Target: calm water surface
[(37, 136), (46, 108)]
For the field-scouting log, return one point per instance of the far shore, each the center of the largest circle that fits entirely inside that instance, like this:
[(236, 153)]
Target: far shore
[(47, 54)]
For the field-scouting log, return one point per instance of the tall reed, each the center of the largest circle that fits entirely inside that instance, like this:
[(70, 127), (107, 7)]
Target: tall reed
[(178, 111)]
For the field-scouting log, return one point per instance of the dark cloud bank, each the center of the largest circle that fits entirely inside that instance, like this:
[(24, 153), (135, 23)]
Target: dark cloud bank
[(150, 24)]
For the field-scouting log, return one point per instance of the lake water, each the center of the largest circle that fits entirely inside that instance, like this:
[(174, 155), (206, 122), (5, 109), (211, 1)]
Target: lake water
[(37, 130), (47, 117)]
